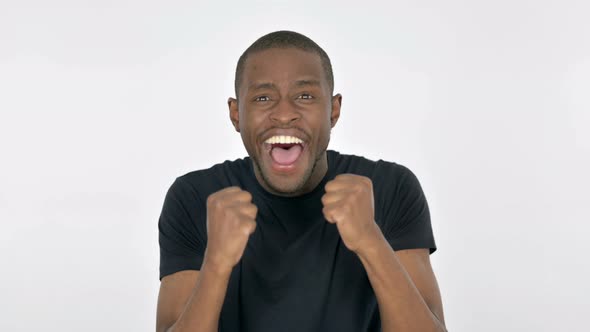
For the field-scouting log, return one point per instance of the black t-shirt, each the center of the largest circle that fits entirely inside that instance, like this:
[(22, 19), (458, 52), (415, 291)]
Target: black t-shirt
[(296, 274)]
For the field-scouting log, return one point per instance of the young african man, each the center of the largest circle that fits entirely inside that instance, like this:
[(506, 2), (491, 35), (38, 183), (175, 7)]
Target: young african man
[(295, 237)]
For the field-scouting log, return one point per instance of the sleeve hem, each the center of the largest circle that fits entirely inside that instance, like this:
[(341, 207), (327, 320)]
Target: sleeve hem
[(178, 264)]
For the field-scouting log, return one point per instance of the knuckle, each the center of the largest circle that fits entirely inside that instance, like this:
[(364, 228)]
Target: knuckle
[(358, 188), (248, 228), (247, 195), (218, 203), (213, 201), (252, 225), (210, 199)]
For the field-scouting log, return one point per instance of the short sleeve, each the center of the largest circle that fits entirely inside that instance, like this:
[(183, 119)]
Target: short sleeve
[(182, 229), (406, 217)]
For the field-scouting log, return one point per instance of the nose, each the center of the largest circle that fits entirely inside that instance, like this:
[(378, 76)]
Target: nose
[(284, 113)]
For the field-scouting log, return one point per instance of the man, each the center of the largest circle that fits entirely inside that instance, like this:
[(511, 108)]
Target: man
[(295, 237)]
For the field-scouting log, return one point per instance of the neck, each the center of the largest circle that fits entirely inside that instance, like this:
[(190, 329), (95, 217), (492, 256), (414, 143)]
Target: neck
[(319, 170)]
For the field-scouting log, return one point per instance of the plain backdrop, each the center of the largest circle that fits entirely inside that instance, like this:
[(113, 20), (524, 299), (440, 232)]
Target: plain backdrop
[(104, 103)]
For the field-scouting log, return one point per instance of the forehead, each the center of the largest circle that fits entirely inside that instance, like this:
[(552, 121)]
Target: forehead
[(282, 67)]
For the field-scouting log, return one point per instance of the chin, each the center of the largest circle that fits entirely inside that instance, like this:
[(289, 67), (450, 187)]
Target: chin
[(285, 184), (290, 184)]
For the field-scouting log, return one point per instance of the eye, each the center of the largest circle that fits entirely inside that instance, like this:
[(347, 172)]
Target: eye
[(305, 96), (262, 98)]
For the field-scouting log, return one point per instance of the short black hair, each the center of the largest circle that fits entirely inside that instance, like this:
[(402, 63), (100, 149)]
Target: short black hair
[(285, 39)]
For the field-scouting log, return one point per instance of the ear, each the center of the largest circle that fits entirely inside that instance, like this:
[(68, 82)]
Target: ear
[(336, 104), (234, 113)]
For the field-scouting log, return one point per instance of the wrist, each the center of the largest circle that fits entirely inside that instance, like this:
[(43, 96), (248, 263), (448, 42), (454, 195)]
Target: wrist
[(215, 267), (372, 243)]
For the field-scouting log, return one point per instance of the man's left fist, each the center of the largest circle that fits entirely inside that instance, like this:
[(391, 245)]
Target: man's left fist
[(348, 203)]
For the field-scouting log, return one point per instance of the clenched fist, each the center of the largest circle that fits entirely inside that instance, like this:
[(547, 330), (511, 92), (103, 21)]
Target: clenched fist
[(231, 218), (348, 203)]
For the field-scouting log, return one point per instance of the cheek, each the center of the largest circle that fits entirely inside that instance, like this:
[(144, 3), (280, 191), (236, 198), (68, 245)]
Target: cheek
[(247, 122), (249, 127), (243, 120), (327, 124), (323, 135)]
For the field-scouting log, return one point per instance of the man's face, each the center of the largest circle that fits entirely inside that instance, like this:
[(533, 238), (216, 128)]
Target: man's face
[(284, 113)]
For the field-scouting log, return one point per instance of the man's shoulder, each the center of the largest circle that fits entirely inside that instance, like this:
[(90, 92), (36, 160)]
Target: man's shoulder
[(361, 165), (221, 168), (221, 175)]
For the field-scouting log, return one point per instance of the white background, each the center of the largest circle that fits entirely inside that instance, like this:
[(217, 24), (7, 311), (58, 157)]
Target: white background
[(104, 103)]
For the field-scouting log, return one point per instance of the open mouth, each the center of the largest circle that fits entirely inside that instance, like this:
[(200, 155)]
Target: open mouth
[(284, 151), (285, 154)]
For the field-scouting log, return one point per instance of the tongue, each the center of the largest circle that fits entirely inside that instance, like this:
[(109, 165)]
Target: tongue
[(285, 156)]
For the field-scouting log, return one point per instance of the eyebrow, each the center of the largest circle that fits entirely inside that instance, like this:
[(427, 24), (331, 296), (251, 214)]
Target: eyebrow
[(268, 85), (261, 86), (303, 83)]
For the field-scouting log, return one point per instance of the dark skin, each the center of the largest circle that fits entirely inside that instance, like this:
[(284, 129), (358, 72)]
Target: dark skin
[(285, 92), (286, 89)]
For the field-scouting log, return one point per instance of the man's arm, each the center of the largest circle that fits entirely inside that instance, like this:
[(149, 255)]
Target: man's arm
[(405, 286), (408, 297), (192, 300)]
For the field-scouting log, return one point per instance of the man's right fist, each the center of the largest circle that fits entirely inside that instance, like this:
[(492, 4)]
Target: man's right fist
[(231, 218)]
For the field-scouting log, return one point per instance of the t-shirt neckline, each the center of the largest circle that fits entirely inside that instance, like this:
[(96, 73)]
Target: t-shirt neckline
[(318, 190)]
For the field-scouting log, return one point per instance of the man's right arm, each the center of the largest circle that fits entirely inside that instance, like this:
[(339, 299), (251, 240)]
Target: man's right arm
[(192, 300)]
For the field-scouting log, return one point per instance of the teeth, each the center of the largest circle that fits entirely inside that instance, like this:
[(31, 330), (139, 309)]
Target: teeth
[(284, 140)]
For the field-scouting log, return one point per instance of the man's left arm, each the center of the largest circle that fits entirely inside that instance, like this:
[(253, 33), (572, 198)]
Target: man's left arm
[(403, 281), (405, 287)]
